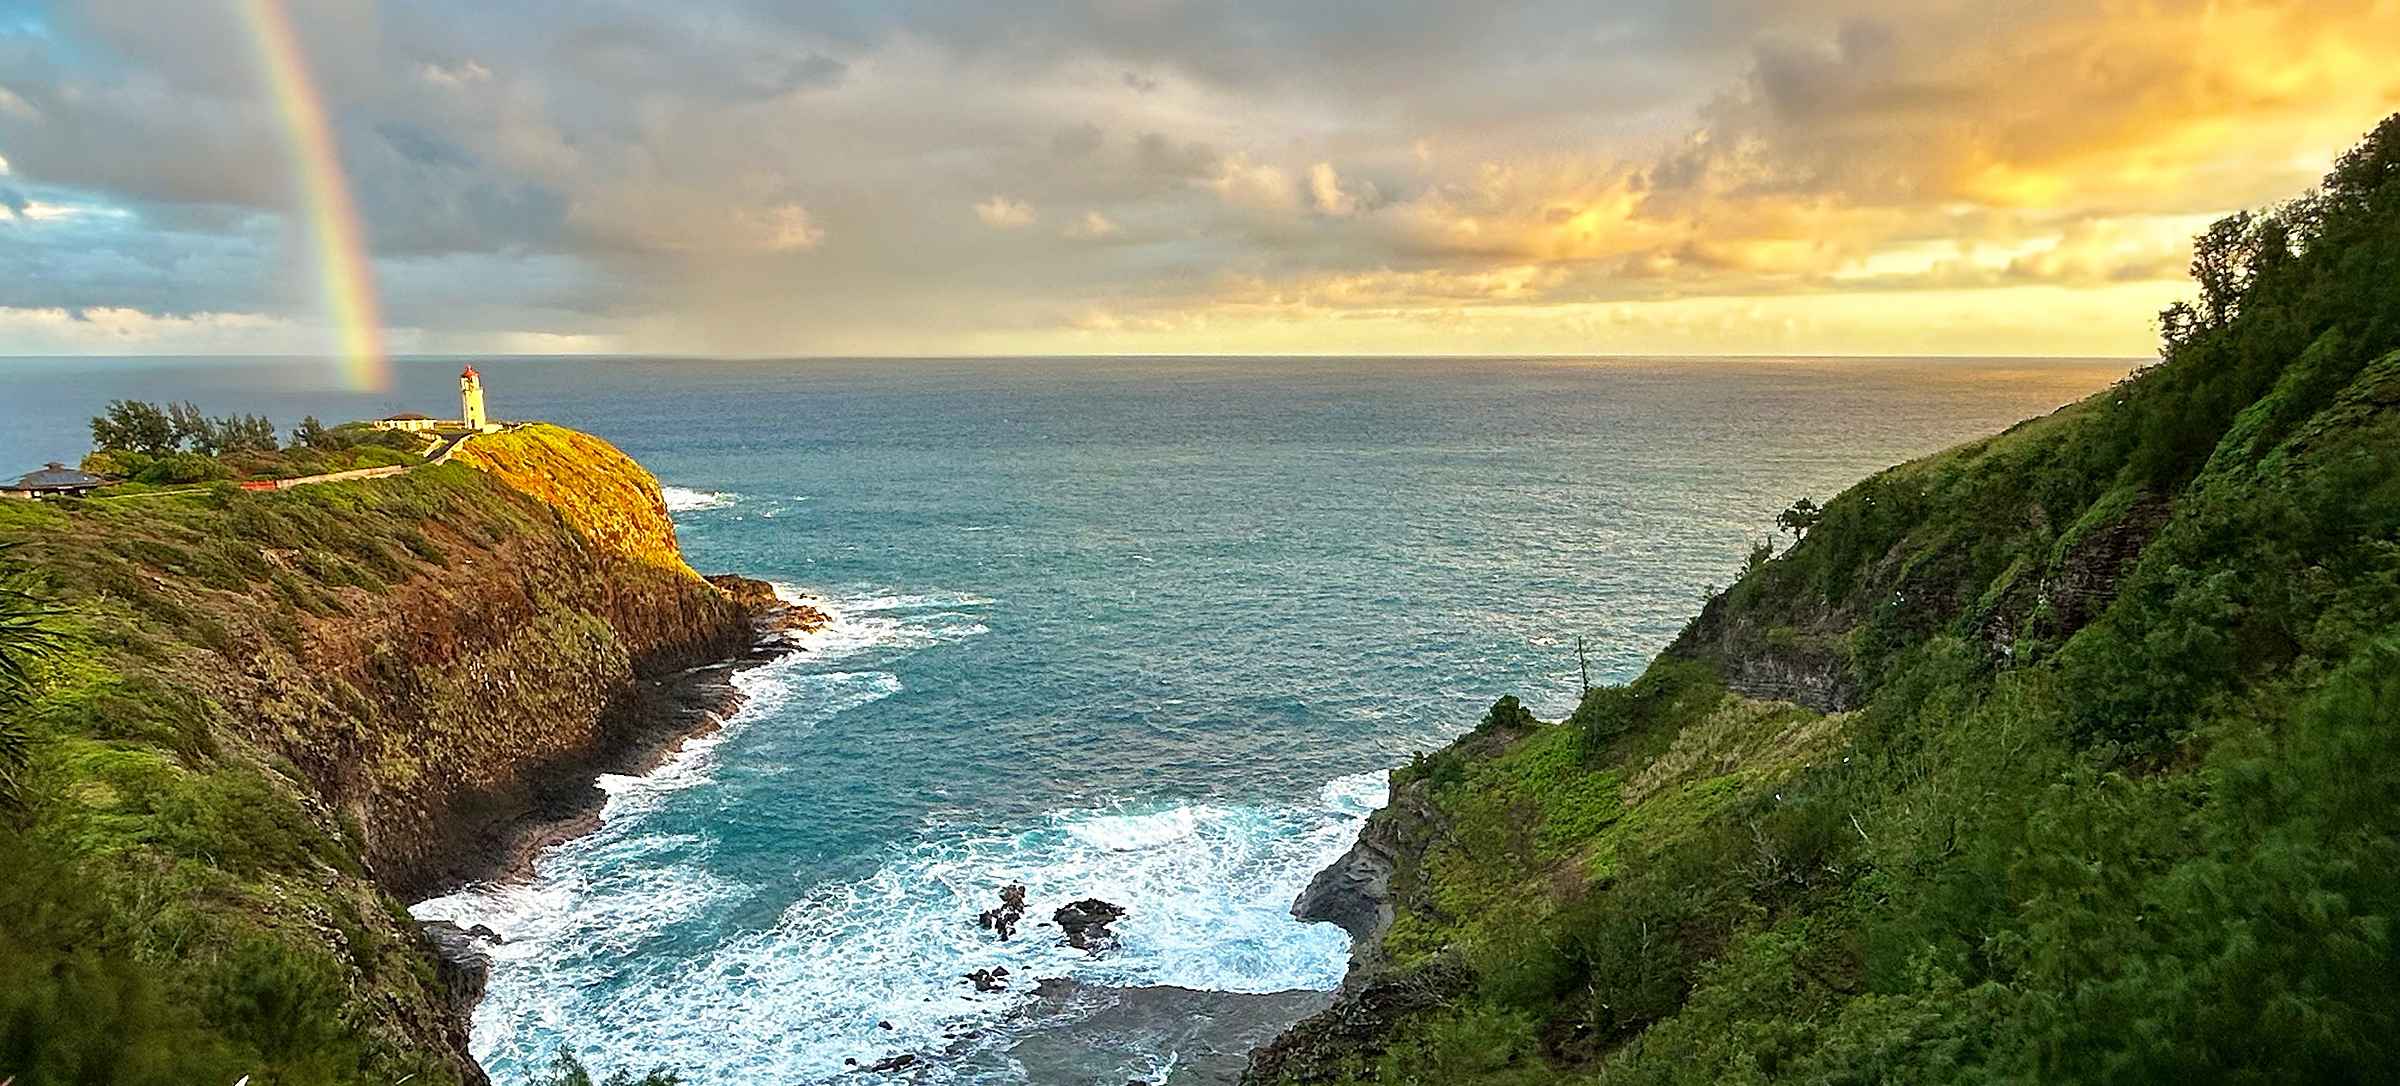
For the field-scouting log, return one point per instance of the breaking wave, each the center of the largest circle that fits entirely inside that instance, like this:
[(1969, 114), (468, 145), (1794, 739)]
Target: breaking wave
[(640, 941), (684, 499), (1208, 889)]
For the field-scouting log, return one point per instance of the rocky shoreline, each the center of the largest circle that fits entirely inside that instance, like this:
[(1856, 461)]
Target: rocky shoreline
[(564, 799), (1361, 892)]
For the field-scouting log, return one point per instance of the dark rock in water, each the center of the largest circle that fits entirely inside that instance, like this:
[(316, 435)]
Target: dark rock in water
[(770, 616), (987, 980), (1005, 918), (905, 1059), (1085, 924), (486, 934)]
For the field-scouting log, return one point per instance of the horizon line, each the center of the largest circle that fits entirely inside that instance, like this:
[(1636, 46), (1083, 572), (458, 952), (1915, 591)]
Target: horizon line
[(963, 357)]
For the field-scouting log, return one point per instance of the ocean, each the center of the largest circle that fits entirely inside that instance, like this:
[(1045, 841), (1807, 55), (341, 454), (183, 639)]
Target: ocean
[(1148, 630)]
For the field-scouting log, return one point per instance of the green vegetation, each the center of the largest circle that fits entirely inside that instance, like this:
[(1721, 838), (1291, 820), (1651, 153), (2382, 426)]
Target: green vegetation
[(27, 637), (220, 710), (2093, 783), (178, 445), (566, 1070)]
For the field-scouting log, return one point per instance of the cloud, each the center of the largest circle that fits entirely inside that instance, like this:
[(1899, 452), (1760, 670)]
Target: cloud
[(454, 75), (1002, 213), (119, 329), (1325, 187), (1261, 186), (667, 177), (1092, 227)]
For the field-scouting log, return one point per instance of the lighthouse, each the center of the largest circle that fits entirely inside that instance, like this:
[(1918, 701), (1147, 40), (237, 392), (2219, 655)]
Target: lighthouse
[(470, 399)]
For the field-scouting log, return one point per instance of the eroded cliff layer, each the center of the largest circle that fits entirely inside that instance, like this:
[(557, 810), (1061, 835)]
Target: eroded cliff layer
[(281, 714)]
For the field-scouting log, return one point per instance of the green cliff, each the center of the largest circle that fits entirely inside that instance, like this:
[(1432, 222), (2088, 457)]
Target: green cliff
[(276, 716), (2067, 755)]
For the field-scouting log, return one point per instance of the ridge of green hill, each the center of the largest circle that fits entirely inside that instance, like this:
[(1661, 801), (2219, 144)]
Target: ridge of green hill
[(2063, 755)]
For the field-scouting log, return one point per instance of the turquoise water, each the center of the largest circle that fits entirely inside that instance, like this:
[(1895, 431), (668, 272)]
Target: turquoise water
[(1146, 630)]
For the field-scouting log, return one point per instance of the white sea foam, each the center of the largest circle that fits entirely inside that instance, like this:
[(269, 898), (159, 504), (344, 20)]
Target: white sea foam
[(684, 499), (1133, 832), (619, 945), (913, 602), (1208, 888)]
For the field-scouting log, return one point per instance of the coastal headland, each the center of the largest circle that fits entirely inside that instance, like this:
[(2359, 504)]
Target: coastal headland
[(283, 714)]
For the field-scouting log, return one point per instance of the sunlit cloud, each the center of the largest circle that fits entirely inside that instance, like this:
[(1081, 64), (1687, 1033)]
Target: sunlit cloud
[(1883, 176)]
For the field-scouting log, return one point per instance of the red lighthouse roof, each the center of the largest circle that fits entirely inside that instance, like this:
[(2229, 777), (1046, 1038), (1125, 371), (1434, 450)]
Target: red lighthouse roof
[(468, 372)]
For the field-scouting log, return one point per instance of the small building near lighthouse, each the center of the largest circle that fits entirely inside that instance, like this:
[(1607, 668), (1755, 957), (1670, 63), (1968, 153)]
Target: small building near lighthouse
[(407, 420), (472, 417)]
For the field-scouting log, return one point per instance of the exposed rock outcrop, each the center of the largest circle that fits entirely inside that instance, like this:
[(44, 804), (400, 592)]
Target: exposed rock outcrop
[(1085, 924), (2084, 581), (1326, 1046), (1802, 663), (1004, 918), (1361, 891), (774, 618)]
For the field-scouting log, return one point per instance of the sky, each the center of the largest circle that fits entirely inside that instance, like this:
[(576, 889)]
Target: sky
[(744, 177)]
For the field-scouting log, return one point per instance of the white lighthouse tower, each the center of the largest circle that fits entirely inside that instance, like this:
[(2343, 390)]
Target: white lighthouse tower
[(470, 400)]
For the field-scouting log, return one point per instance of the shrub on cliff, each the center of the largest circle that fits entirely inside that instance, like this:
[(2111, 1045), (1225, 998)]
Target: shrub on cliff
[(1668, 691), (1507, 714), (183, 468)]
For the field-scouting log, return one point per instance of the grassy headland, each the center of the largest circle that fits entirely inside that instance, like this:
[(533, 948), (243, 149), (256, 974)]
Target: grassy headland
[(270, 716), (2065, 755)]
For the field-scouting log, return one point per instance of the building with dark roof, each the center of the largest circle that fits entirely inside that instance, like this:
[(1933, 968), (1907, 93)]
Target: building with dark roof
[(407, 420), (53, 480)]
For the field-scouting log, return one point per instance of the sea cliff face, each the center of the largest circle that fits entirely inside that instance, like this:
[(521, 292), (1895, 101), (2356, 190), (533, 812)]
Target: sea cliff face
[(283, 714)]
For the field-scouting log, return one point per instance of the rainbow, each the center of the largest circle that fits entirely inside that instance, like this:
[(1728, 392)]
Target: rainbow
[(344, 274)]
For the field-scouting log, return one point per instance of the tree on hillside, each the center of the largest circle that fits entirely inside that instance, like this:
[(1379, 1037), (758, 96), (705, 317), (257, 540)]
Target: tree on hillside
[(1802, 516), (241, 433), (312, 434), (191, 427), (134, 426)]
